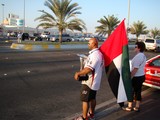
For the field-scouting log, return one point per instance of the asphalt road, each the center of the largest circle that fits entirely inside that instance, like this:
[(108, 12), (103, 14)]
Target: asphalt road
[(40, 86)]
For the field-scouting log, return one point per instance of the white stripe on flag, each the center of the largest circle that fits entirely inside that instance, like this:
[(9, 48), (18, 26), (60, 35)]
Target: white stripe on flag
[(121, 97)]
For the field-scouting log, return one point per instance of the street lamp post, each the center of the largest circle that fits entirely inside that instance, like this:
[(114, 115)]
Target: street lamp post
[(2, 14), (3, 20), (128, 13), (24, 18)]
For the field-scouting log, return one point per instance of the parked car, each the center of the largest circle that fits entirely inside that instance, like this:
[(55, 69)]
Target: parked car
[(88, 38), (65, 38), (24, 36), (101, 38), (78, 38), (152, 44), (13, 34), (35, 37), (152, 72), (52, 38), (45, 36)]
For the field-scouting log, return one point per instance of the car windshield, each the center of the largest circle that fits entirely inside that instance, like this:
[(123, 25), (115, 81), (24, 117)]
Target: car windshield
[(149, 41), (63, 35), (156, 62)]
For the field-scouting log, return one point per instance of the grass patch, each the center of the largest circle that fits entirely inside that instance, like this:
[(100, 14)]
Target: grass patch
[(57, 43), (52, 43)]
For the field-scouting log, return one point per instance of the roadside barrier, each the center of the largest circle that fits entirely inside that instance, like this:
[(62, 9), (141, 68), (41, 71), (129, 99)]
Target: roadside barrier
[(50, 47), (45, 47), (34, 47)]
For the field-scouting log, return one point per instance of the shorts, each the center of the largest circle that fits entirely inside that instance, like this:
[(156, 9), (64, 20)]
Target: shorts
[(87, 94)]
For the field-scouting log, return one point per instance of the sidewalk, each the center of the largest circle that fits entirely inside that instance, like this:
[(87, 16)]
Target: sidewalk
[(150, 108), (110, 110)]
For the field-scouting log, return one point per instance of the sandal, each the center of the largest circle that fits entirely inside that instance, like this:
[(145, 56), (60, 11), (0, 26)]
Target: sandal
[(91, 116), (127, 109), (136, 109), (80, 118)]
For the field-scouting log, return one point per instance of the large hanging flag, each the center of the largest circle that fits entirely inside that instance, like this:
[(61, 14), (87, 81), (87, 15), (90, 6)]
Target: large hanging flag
[(116, 57)]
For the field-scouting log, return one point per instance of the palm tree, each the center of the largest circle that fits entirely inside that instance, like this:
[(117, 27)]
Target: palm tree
[(138, 28), (107, 25), (155, 32), (62, 16)]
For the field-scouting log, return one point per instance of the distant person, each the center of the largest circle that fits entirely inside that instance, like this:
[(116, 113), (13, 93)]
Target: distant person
[(8, 36), (138, 76), (19, 37), (93, 68)]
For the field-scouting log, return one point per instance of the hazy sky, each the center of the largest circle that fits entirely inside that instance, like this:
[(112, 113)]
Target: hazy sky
[(92, 10)]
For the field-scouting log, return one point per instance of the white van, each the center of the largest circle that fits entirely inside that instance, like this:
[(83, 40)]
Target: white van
[(152, 44)]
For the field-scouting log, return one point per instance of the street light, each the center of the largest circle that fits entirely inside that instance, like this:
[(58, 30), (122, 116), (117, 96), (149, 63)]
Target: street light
[(3, 19), (128, 13), (3, 14), (24, 18)]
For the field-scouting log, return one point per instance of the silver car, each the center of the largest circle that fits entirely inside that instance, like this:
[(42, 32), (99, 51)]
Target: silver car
[(65, 38), (78, 38)]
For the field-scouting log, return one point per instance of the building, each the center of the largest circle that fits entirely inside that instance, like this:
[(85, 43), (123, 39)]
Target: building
[(15, 24), (12, 20)]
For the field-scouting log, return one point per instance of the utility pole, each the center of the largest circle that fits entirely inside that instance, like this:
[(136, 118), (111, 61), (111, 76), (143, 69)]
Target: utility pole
[(128, 28), (24, 18), (128, 13), (3, 20), (3, 14)]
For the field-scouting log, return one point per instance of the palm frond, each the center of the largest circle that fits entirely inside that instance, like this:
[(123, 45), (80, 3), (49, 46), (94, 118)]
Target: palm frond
[(107, 25), (63, 16), (138, 28)]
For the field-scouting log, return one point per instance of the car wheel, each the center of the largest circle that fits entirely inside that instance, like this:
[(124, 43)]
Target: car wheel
[(56, 40)]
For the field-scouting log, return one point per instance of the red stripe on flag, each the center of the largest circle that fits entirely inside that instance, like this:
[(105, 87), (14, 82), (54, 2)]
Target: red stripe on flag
[(113, 46)]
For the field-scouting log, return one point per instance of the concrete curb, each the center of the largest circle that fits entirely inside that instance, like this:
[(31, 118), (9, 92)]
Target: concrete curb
[(33, 47), (46, 47), (109, 107), (107, 103)]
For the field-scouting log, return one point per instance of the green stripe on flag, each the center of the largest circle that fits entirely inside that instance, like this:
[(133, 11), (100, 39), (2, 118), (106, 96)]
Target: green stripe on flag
[(126, 75)]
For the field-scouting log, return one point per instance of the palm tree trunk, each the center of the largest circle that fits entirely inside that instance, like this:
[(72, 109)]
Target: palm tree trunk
[(137, 38), (60, 36)]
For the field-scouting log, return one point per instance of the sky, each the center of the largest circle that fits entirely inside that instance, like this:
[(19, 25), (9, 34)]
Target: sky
[(91, 11)]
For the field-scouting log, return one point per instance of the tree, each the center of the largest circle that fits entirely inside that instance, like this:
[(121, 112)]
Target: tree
[(138, 28), (62, 16), (154, 32), (107, 25)]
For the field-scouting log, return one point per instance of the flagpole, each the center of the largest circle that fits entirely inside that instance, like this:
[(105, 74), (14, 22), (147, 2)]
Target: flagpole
[(128, 13)]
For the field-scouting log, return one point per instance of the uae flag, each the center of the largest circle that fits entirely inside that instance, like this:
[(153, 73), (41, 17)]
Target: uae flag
[(116, 58)]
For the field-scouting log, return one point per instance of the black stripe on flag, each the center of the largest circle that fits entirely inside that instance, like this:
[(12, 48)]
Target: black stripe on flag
[(113, 77)]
